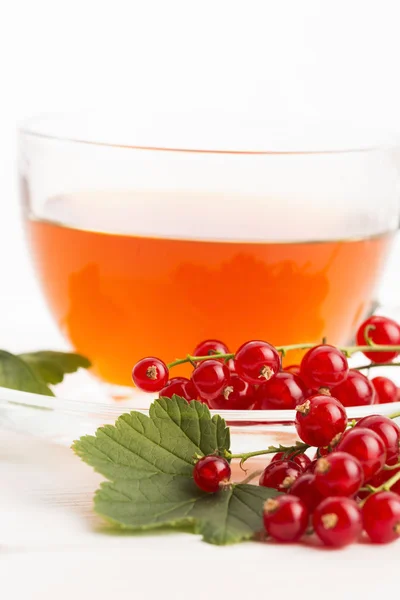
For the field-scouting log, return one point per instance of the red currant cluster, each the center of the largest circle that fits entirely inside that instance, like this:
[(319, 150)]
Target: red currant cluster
[(352, 484), (253, 377)]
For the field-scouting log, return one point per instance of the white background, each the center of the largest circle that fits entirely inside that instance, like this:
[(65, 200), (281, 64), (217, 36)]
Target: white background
[(337, 59)]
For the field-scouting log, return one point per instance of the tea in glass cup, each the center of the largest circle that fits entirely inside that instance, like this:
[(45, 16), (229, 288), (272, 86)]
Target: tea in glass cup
[(147, 251)]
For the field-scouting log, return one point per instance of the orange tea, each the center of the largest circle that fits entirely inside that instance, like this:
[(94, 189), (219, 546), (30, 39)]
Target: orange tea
[(120, 296)]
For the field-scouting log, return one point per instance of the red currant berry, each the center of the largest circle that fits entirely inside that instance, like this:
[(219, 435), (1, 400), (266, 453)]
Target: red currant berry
[(280, 475), (301, 460), (150, 374), (338, 474), (383, 331), (388, 431), (337, 522), (365, 445), (179, 386), (385, 389), (257, 361), (356, 390), (321, 452), (210, 378), (282, 392), (285, 518), (236, 395), (312, 466), (305, 489), (210, 347), (320, 419), (210, 472), (381, 514), (323, 366)]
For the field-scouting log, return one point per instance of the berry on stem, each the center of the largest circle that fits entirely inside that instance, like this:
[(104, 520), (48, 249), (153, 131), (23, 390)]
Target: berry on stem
[(236, 395), (320, 419), (385, 389), (210, 378), (381, 515), (210, 347), (285, 518), (179, 386), (338, 474), (367, 446), (323, 366), (304, 488), (379, 330), (356, 390), (337, 521), (301, 460), (280, 475), (211, 472), (150, 374), (257, 361), (283, 392), (388, 431)]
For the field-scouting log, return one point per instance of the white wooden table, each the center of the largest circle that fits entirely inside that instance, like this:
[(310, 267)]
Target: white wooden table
[(52, 547)]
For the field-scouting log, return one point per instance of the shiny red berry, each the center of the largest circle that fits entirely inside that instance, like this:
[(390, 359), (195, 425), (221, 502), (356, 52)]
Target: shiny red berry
[(150, 374), (312, 466), (210, 347), (356, 390), (257, 361), (383, 331), (367, 446), (337, 521), (385, 390), (280, 475), (236, 395), (320, 419), (179, 386), (304, 488), (381, 515), (285, 518), (338, 474), (301, 460), (323, 366), (210, 378), (210, 472), (388, 431), (283, 392)]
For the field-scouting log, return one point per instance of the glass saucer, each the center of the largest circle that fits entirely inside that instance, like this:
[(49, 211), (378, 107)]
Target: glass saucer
[(83, 404)]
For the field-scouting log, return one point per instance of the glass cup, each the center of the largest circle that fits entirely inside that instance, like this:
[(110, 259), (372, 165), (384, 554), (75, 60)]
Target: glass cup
[(151, 236)]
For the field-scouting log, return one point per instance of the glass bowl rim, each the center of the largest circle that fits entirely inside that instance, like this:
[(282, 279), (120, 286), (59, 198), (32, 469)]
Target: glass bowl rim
[(233, 417), (35, 127)]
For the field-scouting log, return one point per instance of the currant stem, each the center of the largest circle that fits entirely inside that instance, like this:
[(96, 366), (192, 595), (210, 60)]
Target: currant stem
[(300, 447), (347, 350), (195, 359), (385, 487), (389, 483), (391, 467)]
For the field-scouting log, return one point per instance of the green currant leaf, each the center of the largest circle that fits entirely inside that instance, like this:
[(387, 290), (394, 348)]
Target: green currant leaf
[(165, 442), (16, 374), (227, 517), (149, 462), (51, 366)]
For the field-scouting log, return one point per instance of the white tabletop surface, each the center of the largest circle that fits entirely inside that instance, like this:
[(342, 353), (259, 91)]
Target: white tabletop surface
[(52, 546)]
